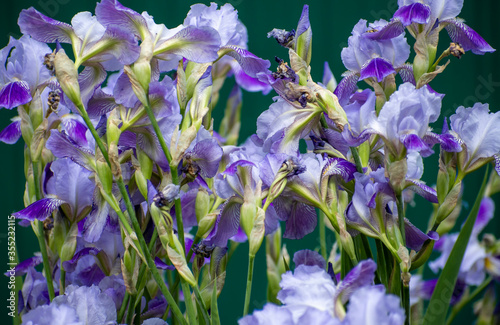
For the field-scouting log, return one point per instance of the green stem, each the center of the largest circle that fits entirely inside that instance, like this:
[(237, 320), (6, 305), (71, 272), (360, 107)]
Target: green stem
[(462, 303), (197, 293), (137, 318), (322, 235), (121, 312), (249, 284), (401, 217), (189, 302), (405, 300), (62, 281), (41, 237)]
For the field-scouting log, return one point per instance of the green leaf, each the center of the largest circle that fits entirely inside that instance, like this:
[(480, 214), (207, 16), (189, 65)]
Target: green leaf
[(440, 300), (214, 309)]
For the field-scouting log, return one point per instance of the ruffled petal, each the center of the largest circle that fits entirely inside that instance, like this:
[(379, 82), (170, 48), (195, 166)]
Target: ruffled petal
[(308, 257), (468, 38), (414, 13), (249, 62), (62, 146), (43, 28), (197, 44), (391, 30)]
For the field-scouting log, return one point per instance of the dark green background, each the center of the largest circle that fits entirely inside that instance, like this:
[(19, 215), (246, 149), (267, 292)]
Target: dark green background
[(332, 22)]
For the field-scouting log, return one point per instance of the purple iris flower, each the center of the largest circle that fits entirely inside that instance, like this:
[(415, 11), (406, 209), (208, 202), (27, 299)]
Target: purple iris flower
[(374, 59), (478, 260), (373, 208), (232, 33), (239, 177), (22, 71), (477, 129), (403, 121), (434, 16), (283, 125), (93, 43), (310, 294)]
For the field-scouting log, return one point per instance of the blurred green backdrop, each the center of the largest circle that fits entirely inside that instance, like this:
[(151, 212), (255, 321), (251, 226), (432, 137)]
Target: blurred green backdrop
[(466, 81)]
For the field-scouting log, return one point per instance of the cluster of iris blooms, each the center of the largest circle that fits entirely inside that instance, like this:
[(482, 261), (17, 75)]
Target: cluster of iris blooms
[(135, 198)]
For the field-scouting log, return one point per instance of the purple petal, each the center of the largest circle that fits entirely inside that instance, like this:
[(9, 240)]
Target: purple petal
[(391, 30), (70, 182), (22, 268), (188, 201), (485, 214), (75, 129), (497, 163), (162, 265), (197, 44), (43, 28), (12, 132), (341, 167), (301, 220), (100, 104), (249, 62), (226, 225), (415, 238), (450, 143), (377, 68), (40, 209), (328, 78), (346, 87), (304, 23), (70, 266), (96, 220), (467, 37), (62, 146), (308, 257), (113, 13), (361, 275), (414, 13), (14, 94), (207, 155), (412, 142)]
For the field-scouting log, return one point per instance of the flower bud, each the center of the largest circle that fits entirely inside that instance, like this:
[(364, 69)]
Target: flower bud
[(112, 130), (67, 75), (257, 232), (202, 204), (105, 176), (130, 269), (69, 246), (397, 174), (176, 255), (206, 224), (248, 213), (39, 139), (142, 183), (145, 162)]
